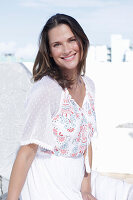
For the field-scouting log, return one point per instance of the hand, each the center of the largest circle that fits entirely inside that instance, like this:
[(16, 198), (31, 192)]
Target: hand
[(87, 196)]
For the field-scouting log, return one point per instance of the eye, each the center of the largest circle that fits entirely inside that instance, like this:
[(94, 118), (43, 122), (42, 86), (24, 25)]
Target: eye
[(56, 45), (73, 40)]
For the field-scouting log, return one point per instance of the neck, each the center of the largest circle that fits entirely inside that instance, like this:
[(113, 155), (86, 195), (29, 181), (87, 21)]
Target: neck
[(71, 75), (74, 77)]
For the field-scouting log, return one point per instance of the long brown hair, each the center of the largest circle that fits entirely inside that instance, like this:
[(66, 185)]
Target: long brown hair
[(45, 65)]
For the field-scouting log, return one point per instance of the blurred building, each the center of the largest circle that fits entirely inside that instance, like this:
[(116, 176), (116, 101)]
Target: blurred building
[(129, 55), (98, 53), (108, 54), (101, 53), (119, 51), (119, 48), (7, 57), (11, 57), (91, 54)]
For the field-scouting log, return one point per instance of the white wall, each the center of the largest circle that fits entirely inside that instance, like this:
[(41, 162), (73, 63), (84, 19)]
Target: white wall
[(119, 47), (114, 106)]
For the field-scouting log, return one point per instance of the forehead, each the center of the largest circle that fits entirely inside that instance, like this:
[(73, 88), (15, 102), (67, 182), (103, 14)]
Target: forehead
[(60, 33)]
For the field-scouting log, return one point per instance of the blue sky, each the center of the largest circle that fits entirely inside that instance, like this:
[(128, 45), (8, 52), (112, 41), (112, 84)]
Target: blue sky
[(22, 20)]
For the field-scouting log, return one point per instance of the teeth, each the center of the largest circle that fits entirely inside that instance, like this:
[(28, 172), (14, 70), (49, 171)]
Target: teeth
[(69, 57)]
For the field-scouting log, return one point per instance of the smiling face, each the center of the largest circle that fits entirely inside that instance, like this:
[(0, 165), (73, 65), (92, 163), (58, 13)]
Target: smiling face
[(64, 48)]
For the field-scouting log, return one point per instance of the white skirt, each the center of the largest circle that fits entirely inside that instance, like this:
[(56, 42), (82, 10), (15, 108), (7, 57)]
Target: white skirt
[(51, 177)]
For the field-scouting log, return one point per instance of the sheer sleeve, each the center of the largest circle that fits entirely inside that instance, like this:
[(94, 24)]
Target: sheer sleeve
[(92, 117), (38, 113), (92, 131)]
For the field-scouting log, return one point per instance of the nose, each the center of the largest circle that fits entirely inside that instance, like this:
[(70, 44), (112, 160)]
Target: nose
[(66, 49)]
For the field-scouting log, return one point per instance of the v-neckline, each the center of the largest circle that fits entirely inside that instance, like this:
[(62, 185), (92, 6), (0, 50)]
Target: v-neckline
[(86, 89)]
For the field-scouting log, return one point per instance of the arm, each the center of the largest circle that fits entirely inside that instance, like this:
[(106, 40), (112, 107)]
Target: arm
[(20, 169), (86, 183)]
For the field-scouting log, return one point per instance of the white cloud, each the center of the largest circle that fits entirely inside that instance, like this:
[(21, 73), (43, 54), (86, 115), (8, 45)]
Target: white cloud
[(27, 52), (8, 47)]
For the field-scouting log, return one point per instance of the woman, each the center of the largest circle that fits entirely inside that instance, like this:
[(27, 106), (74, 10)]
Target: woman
[(60, 119)]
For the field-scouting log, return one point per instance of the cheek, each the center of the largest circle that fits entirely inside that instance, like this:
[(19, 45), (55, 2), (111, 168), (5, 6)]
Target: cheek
[(55, 53), (76, 47)]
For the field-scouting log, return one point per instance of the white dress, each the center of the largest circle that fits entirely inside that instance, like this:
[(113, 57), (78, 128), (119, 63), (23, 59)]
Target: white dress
[(62, 130)]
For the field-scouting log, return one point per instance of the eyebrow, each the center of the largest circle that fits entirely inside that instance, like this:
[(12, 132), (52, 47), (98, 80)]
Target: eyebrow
[(59, 41)]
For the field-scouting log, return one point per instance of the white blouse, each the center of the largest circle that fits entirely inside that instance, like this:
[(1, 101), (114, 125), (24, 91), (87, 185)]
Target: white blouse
[(54, 120)]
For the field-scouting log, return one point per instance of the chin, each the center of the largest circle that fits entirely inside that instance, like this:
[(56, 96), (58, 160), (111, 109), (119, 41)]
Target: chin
[(69, 68)]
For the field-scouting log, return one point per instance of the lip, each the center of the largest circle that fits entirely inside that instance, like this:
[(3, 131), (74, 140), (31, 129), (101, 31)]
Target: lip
[(69, 58)]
